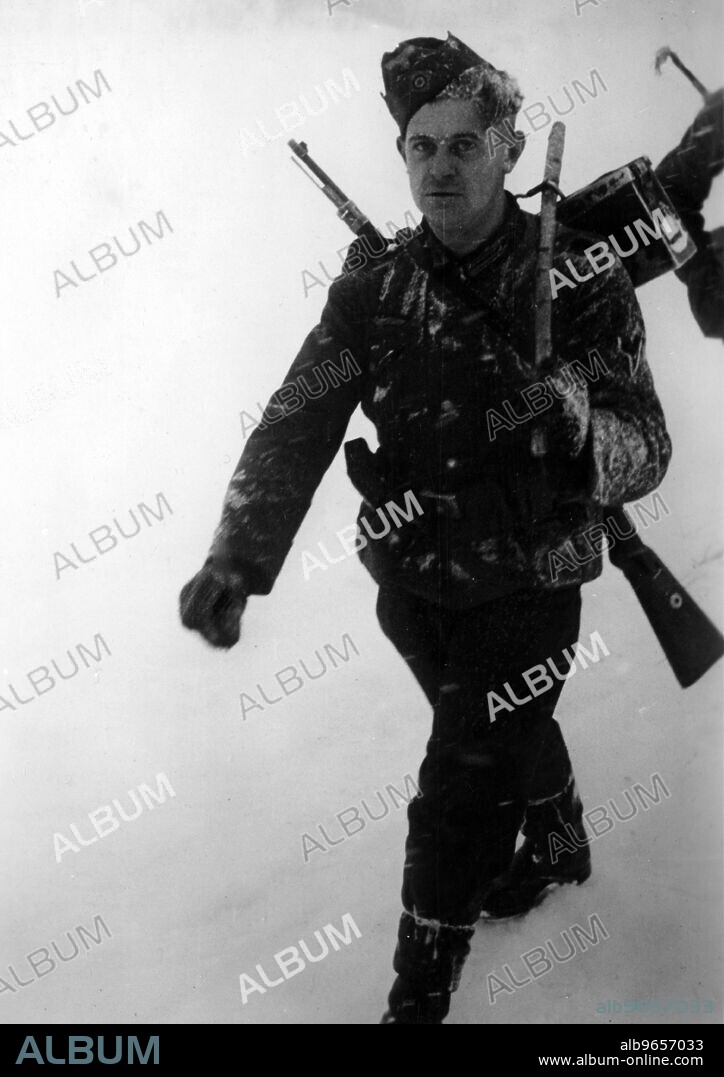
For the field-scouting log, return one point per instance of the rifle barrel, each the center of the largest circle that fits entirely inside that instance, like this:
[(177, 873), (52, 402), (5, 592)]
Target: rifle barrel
[(350, 213), (301, 151)]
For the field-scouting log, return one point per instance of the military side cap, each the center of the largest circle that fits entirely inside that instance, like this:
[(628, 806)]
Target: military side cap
[(418, 71)]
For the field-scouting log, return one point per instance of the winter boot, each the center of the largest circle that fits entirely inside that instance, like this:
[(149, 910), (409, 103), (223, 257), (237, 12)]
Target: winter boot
[(428, 961), (555, 852), (410, 1006)]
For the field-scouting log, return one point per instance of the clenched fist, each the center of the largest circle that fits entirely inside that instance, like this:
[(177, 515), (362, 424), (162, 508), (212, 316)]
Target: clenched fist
[(212, 603)]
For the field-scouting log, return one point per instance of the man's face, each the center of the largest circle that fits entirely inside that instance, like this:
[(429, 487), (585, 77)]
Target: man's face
[(453, 179)]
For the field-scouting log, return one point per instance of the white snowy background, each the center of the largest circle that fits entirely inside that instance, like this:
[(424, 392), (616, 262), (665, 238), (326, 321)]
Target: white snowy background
[(195, 328)]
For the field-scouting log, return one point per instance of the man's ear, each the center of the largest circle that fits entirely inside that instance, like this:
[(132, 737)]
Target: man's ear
[(512, 153), (401, 148)]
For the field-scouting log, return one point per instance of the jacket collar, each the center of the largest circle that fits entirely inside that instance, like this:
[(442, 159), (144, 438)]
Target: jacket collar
[(435, 256)]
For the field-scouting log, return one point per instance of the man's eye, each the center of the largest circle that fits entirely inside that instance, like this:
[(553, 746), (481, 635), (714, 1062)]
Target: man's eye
[(422, 148), (464, 147)]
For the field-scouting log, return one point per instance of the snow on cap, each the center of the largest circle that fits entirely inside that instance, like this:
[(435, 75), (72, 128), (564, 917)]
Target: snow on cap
[(425, 68)]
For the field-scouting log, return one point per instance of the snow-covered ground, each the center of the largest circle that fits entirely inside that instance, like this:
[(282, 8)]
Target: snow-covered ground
[(196, 327)]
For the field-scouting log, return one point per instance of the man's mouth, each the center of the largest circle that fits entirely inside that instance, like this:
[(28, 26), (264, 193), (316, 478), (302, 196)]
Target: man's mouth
[(443, 194)]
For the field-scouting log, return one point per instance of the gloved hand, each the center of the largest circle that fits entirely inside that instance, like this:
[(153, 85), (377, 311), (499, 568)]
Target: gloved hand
[(212, 603)]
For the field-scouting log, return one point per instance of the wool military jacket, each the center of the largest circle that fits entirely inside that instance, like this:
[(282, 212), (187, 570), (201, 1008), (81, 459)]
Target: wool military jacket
[(445, 349)]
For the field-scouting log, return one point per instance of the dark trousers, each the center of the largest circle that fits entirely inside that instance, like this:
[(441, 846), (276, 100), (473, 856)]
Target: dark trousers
[(478, 774)]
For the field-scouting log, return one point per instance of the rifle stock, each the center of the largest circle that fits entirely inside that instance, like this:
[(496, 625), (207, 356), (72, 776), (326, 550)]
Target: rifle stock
[(691, 643)]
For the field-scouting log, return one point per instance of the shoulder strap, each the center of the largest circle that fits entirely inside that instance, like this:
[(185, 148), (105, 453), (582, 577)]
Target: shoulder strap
[(449, 276)]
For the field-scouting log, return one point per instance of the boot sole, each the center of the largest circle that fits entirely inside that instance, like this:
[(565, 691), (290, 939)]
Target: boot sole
[(487, 918)]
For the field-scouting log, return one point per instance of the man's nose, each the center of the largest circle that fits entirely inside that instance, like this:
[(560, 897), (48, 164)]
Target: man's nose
[(443, 165)]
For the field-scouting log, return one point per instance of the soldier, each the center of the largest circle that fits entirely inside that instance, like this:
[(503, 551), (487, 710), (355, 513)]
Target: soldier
[(687, 173), (443, 333)]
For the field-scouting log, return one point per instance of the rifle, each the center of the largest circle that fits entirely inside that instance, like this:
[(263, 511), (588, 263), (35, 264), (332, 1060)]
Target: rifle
[(347, 210), (691, 642)]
